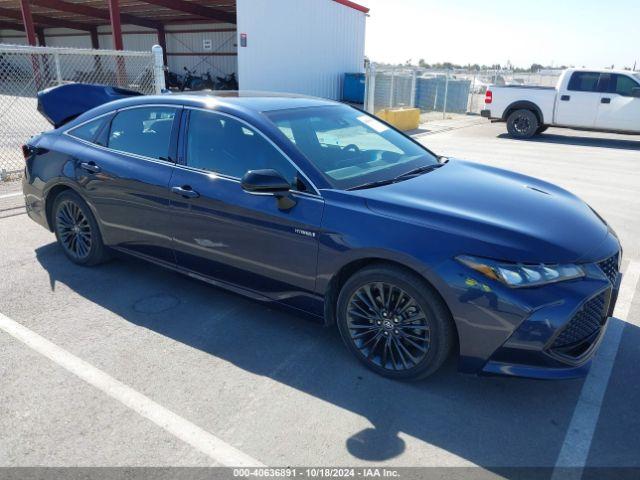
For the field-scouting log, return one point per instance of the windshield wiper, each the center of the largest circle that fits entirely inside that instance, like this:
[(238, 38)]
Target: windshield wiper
[(418, 171), (379, 183), (399, 178)]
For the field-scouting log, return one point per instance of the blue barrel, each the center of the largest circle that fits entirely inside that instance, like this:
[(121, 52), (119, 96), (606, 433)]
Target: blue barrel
[(353, 88)]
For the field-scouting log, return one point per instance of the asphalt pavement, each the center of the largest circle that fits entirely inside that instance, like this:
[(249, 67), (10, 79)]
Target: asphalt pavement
[(127, 364)]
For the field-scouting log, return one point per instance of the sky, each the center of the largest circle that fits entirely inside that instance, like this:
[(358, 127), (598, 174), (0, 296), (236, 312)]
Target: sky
[(550, 32)]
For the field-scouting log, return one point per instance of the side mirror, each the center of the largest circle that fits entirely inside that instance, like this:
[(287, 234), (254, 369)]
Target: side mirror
[(268, 181), (264, 181), (635, 92)]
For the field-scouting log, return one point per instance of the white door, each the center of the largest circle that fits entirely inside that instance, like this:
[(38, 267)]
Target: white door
[(577, 106), (619, 110)]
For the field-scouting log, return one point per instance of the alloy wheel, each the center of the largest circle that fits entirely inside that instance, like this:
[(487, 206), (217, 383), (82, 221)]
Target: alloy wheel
[(74, 229), (388, 326), (522, 124)]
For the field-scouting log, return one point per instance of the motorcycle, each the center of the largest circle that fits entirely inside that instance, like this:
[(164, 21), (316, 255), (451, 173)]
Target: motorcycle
[(228, 82)]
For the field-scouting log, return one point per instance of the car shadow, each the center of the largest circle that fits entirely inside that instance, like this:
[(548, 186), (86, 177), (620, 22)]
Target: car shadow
[(488, 421), (615, 143)]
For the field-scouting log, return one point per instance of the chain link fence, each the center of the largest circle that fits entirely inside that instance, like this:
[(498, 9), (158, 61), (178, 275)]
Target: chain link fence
[(26, 70), (440, 94)]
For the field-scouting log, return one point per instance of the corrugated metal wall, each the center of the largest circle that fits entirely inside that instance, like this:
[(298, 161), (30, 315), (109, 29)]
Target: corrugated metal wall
[(223, 40), (302, 47), (293, 46), (184, 44)]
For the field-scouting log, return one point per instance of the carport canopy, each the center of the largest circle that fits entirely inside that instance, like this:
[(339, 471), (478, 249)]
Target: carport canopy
[(33, 16)]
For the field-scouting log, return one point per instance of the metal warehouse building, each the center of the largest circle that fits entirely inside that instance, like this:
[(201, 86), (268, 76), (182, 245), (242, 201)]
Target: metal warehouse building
[(302, 46)]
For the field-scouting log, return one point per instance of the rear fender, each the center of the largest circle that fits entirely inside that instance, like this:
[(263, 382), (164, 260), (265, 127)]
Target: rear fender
[(526, 105)]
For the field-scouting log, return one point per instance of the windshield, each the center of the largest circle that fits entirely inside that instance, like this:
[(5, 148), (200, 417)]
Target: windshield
[(349, 147)]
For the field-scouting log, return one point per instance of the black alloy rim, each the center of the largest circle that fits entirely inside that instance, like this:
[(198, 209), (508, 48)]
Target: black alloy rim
[(522, 124), (388, 327), (73, 229)]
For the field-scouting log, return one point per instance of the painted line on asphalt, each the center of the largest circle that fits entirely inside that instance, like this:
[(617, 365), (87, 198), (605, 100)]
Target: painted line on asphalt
[(215, 448), (10, 195), (577, 441)]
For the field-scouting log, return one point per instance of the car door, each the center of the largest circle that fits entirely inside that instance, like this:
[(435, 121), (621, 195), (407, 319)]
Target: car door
[(225, 233), (619, 109), (577, 106), (125, 178)]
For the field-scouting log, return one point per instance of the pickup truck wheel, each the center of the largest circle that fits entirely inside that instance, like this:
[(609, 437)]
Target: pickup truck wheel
[(541, 129), (522, 124)]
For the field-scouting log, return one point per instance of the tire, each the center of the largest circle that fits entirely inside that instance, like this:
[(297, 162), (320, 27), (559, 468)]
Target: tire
[(541, 129), (522, 124), (77, 231), (379, 340)]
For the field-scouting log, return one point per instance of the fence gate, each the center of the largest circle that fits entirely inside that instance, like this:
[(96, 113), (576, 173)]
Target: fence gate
[(26, 70)]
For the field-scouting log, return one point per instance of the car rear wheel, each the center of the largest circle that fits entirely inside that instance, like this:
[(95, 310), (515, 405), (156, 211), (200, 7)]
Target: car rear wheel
[(394, 322), (522, 124), (77, 231)]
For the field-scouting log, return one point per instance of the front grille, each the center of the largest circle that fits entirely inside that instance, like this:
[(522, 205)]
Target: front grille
[(610, 267), (582, 327)]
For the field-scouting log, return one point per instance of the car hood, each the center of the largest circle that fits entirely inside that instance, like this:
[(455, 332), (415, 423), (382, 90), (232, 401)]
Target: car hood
[(499, 213)]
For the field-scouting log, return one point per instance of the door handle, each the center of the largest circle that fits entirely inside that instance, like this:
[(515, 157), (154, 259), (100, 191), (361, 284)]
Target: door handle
[(605, 100), (185, 191), (565, 98), (90, 167)]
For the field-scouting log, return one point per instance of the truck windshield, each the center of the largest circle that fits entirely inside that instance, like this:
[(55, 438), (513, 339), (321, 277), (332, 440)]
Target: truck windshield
[(349, 147)]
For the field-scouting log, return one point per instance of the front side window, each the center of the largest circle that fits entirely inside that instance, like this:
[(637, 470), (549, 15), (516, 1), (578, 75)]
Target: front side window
[(223, 145), (349, 147), (143, 131), (584, 81), (622, 85), (89, 131)]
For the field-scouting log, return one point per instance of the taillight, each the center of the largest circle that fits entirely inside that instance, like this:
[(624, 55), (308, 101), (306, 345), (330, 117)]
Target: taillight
[(26, 151), (488, 97)]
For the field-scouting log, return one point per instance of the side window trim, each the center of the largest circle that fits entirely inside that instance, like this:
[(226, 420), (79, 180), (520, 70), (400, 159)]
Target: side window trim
[(172, 140), (106, 129), (69, 131), (617, 75), (578, 74), (314, 192), (102, 136)]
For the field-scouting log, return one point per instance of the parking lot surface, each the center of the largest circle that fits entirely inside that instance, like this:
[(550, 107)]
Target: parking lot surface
[(280, 389)]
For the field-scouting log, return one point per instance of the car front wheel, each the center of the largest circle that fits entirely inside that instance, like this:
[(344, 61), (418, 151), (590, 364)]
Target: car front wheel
[(394, 322)]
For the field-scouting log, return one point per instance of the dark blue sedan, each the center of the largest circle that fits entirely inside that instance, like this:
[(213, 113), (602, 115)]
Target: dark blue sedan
[(325, 209)]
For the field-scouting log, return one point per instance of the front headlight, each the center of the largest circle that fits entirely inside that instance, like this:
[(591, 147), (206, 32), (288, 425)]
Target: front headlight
[(521, 274)]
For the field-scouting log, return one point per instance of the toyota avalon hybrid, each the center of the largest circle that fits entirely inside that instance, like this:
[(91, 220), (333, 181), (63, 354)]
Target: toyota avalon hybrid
[(324, 209)]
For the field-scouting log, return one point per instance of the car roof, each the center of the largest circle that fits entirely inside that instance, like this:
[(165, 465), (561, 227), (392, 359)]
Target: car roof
[(243, 103), (603, 70), (246, 100)]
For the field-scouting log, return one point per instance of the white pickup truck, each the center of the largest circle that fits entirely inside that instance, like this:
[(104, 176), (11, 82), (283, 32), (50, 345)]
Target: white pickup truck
[(602, 100)]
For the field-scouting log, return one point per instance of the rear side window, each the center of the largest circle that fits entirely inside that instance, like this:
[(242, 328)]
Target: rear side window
[(90, 130), (143, 131), (622, 85), (584, 81)]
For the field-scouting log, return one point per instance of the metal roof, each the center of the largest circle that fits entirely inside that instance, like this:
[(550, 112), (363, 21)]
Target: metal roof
[(88, 14)]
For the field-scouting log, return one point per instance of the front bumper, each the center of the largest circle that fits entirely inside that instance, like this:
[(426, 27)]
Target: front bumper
[(547, 332)]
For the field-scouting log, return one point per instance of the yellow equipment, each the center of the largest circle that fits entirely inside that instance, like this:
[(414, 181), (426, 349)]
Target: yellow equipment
[(401, 118)]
